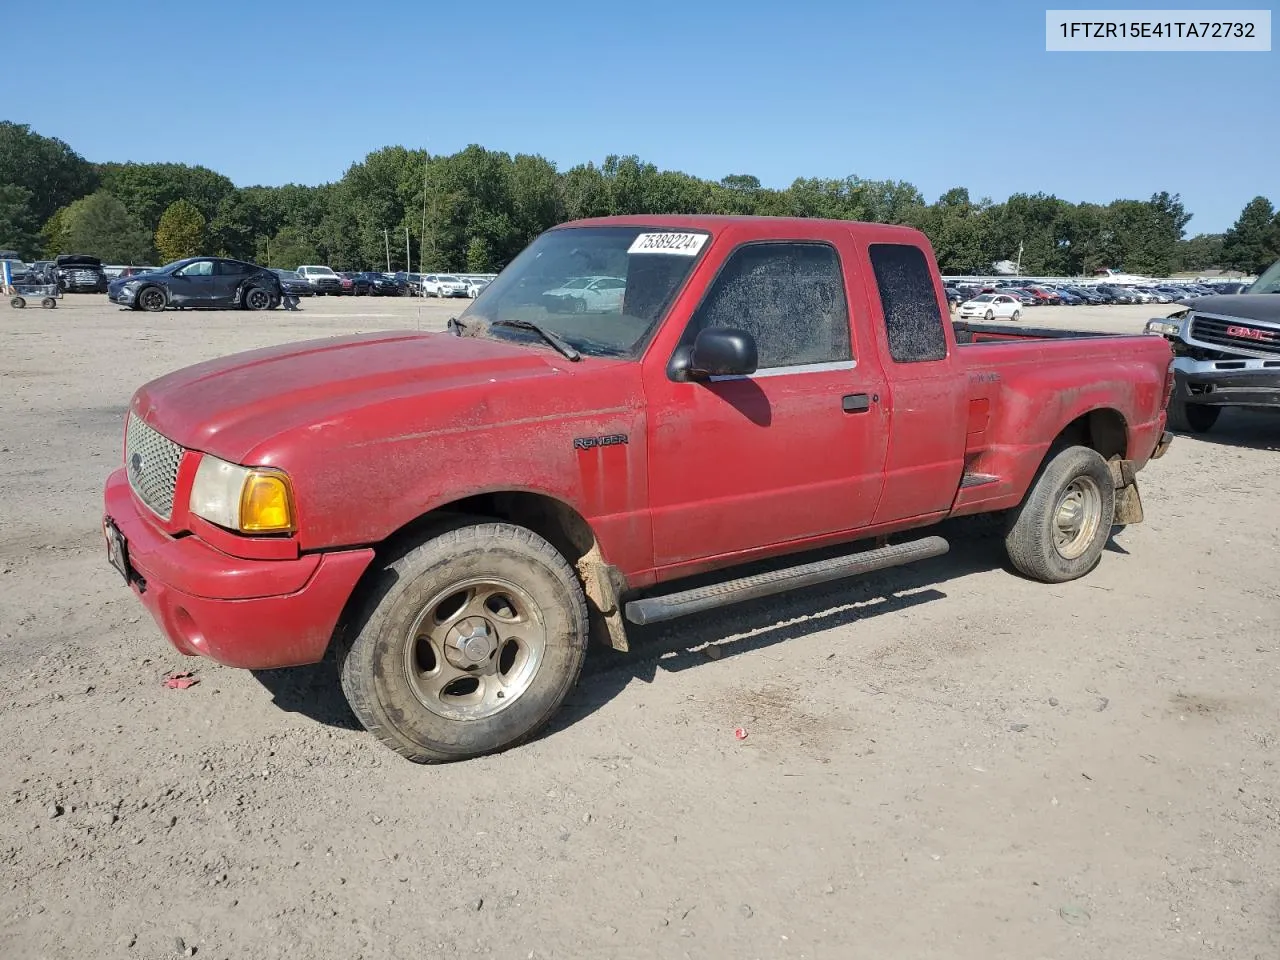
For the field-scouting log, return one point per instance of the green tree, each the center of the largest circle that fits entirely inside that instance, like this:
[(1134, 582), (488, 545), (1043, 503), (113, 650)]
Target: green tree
[(181, 231), (148, 189), (479, 259), (18, 225), (289, 249), (1201, 252), (53, 235), (1253, 242), (49, 170), (100, 226)]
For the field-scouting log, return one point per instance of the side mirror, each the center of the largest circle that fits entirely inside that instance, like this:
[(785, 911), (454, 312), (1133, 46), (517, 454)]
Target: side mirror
[(716, 352)]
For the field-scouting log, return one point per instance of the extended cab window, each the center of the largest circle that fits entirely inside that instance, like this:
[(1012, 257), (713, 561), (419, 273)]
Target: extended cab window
[(788, 296), (911, 313)]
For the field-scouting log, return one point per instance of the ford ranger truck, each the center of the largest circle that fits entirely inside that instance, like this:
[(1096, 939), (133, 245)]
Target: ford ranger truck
[(1226, 351), (452, 516)]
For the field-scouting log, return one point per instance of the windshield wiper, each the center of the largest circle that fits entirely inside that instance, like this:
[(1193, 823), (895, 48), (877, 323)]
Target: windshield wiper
[(565, 348), (455, 326)]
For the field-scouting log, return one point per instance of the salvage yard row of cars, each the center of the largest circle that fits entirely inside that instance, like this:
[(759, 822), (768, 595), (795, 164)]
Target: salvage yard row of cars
[(1007, 300)]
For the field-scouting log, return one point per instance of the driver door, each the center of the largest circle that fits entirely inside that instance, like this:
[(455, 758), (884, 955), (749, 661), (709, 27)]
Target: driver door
[(192, 285)]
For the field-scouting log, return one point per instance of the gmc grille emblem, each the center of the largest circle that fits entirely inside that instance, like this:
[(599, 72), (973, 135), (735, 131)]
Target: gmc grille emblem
[(1249, 333), (135, 464)]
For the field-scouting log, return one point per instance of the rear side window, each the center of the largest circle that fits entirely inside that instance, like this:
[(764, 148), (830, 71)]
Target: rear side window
[(788, 296), (912, 316)]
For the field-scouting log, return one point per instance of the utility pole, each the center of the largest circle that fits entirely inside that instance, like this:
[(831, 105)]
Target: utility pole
[(408, 260), (386, 235), (422, 250), (1018, 268)]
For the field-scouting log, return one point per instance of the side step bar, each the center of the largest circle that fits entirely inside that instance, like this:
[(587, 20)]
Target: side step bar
[(656, 609)]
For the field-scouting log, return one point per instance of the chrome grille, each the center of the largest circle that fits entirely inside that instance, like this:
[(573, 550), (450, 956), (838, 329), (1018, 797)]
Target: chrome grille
[(151, 461), (1241, 334)]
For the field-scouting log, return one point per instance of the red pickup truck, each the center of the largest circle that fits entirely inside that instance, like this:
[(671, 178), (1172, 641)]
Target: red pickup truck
[(631, 402)]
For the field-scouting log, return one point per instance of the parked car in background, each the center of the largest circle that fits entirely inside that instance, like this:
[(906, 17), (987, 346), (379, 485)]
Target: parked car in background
[(134, 271), (1024, 297), (1091, 297), (200, 282), (380, 285), (589, 295), (19, 270), (1232, 287), (77, 273), (411, 282), (41, 271), (1118, 294), (1226, 351), (322, 279), (354, 283), (476, 285), (292, 283), (1067, 298), (443, 285), (991, 306)]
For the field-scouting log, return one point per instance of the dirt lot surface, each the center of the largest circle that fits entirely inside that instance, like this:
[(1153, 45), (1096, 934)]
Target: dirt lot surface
[(942, 761)]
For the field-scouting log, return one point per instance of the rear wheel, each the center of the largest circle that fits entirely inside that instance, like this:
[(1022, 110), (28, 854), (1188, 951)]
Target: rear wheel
[(467, 644), (257, 298), (1017, 315), (1192, 417), (1061, 528)]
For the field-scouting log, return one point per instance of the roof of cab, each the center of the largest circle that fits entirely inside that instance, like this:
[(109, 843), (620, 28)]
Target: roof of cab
[(763, 226)]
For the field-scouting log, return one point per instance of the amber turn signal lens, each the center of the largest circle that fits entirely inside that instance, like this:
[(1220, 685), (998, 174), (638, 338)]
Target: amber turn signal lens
[(266, 503)]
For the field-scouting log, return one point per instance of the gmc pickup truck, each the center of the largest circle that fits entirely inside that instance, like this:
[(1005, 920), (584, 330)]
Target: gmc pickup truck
[(453, 516), (1226, 351)]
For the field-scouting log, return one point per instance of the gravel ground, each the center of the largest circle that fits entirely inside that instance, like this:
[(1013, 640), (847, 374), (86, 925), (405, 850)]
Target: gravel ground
[(941, 761)]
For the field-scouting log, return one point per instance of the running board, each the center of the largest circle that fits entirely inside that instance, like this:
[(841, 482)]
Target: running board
[(657, 609)]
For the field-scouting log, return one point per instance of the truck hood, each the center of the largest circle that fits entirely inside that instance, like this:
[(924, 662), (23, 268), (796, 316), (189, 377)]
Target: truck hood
[(231, 405), (1246, 306)]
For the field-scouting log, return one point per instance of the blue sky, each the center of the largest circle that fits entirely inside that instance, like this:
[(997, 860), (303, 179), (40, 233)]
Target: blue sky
[(938, 93)]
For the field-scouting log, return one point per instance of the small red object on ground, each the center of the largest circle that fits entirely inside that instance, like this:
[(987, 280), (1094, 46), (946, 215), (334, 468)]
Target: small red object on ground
[(740, 733), (180, 681)]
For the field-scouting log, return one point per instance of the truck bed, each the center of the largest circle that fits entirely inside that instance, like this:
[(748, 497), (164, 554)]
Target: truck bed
[(967, 333)]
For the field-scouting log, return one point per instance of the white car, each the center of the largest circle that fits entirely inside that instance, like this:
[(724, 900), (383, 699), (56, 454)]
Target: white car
[(321, 279), (443, 285), (991, 306), (475, 285), (591, 294)]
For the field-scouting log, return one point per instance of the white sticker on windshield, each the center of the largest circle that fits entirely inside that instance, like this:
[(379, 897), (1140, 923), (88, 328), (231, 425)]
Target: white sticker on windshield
[(681, 244)]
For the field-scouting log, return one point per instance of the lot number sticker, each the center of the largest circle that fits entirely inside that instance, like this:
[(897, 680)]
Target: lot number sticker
[(680, 244)]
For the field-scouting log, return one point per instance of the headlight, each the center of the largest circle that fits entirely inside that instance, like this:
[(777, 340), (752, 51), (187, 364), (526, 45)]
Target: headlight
[(1165, 328), (247, 499)]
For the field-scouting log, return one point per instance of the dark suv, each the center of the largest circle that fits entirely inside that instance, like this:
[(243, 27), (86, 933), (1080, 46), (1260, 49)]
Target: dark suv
[(76, 273)]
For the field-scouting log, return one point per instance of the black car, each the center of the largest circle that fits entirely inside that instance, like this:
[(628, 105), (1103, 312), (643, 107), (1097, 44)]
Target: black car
[(292, 283), (200, 282), (77, 273), (360, 283), (380, 285)]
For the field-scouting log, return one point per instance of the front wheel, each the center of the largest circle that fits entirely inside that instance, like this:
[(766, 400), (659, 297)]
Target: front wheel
[(1017, 315), (468, 643), (989, 316), (1061, 528), (152, 299), (1192, 417)]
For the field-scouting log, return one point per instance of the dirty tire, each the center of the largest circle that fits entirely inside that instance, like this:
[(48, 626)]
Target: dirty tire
[(256, 298), (151, 299), (1191, 417), (49, 303), (17, 303), (1030, 540), (375, 648), (1017, 315), (990, 315)]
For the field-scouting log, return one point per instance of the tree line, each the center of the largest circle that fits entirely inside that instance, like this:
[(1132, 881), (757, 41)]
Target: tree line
[(476, 209)]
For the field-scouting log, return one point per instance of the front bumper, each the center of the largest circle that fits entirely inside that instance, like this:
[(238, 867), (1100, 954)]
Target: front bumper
[(1244, 382), (256, 614)]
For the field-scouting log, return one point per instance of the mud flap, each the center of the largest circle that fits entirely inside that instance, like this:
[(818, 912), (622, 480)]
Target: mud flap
[(1128, 505), (1128, 500)]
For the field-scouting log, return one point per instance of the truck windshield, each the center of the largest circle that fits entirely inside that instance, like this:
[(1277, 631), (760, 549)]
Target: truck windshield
[(1269, 282), (603, 289)]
